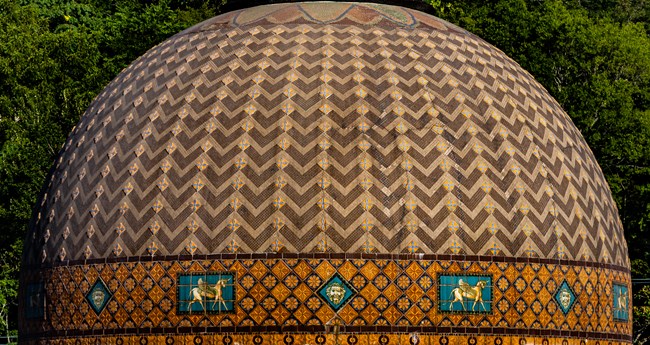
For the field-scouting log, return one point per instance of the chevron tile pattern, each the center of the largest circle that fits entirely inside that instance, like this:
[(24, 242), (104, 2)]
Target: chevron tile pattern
[(339, 164), (326, 128)]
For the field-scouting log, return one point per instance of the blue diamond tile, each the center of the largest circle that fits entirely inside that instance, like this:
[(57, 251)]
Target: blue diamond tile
[(337, 292), (565, 297), (98, 296)]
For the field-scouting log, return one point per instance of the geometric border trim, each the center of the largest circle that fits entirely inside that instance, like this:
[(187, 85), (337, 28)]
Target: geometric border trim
[(341, 256), (283, 295), (349, 329)]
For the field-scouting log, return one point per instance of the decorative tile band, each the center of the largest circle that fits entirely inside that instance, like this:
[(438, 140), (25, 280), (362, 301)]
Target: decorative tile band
[(339, 256), (375, 338), (365, 296)]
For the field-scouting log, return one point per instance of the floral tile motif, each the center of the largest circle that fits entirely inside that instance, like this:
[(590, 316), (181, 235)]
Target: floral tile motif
[(621, 302), (209, 292), (465, 293)]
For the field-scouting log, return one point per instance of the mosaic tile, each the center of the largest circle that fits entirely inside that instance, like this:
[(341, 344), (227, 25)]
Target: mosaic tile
[(621, 300), (255, 172), (98, 296), (462, 293), (337, 292), (210, 292), (565, 297), (412, 338), (34, 296)]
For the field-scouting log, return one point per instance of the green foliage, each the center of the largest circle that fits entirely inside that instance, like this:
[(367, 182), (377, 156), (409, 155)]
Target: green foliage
[(641, 315), (9, 287), (641, 303), (55, 56)]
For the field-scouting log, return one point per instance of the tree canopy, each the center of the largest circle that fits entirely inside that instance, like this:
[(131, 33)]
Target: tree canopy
[(56, 55)]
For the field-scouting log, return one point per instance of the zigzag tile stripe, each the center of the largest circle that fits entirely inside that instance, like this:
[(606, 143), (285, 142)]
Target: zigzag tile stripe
[(304, 137)]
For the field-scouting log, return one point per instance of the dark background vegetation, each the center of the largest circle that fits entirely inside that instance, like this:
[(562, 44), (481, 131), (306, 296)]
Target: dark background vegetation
[(593, 56)]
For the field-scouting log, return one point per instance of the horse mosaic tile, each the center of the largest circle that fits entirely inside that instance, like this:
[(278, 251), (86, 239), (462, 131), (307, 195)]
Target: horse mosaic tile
[(465, 293), (34, 301), (621, 300), (210, 292)]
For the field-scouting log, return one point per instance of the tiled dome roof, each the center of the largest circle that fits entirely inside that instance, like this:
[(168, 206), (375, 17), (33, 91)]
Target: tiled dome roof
[(326, 173), (326, 128)]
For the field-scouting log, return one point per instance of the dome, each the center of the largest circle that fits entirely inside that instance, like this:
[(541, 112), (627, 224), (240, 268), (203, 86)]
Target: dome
[(320, 173)]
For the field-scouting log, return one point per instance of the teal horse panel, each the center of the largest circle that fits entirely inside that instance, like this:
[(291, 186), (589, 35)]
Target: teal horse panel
[(621, 302), (212, 292), (465, 293), (34, 301)]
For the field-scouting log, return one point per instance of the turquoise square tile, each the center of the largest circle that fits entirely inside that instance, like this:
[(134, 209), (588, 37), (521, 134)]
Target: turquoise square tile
[(34, 301), (465, 293), (211, 292), (621, 302)]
